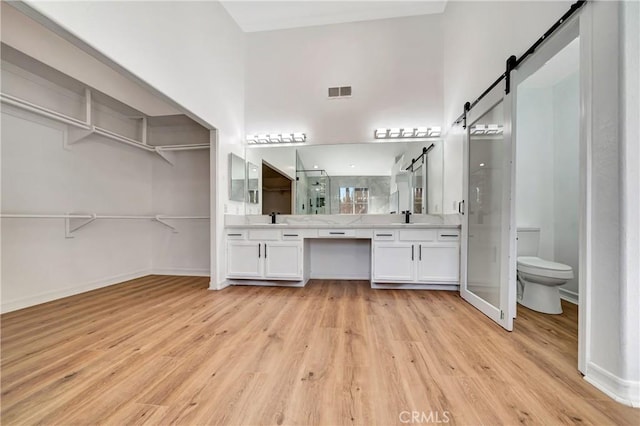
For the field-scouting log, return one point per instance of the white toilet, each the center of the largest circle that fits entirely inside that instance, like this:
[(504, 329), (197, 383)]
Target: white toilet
[(539, 278)]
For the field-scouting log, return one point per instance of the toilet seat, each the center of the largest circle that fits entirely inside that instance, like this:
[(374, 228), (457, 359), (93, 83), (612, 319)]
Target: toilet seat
[(544, 268)]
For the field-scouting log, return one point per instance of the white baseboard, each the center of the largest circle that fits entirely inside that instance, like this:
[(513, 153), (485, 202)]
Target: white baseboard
[(185, 272), (26, 302), (386, 286), (262, 283), (626, 392), (569, 296), (348, 277), (221, 286)]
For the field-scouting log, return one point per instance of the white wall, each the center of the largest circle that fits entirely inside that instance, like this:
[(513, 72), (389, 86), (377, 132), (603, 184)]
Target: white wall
[(630, 128), (182, 189), (478, 39), (40, 177), (535, 166), (566, 175), (393, 65), (193, 53)]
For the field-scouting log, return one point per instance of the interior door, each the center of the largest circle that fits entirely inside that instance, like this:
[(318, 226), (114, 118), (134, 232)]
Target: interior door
[(488, 231), (418, 188)]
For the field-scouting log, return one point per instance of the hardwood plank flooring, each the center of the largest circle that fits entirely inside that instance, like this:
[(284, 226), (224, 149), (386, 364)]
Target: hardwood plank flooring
[(166, 350)]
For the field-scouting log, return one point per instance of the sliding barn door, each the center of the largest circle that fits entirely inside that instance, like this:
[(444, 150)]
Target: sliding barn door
[(488, 245)]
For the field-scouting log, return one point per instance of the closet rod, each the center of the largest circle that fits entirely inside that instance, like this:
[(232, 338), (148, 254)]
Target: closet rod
[(180, 147), (92, 216), (46, 112), (513, 62)]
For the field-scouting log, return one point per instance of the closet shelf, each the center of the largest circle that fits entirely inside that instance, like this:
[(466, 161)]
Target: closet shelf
[(71, 227), (84, 129), (45, 112)]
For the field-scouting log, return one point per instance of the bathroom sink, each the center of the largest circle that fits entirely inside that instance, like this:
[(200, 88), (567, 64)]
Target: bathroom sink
[(402, 223)]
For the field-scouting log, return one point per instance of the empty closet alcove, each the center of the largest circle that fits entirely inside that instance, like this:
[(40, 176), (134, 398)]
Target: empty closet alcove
[(96, 191)]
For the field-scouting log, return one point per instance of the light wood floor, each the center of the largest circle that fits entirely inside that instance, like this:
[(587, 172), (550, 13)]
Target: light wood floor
[(161, 350)]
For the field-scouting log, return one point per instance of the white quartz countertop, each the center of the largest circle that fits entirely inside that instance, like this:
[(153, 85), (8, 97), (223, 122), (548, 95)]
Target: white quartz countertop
[(340, 226), (343, 222)]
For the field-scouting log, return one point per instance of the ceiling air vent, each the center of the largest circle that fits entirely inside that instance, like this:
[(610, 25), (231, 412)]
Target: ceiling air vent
[(339, 92)]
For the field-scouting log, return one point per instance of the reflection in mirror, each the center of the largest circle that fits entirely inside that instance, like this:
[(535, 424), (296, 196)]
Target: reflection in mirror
[(236, 178), (371, 178), (253, 190)]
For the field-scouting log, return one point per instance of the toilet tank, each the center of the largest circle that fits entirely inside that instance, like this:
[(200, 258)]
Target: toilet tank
[(528, 240)]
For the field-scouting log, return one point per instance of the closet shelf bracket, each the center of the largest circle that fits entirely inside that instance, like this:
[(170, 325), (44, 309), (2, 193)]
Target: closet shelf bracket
[(160, 220), (72, 224), (74, 135), (167, 156)]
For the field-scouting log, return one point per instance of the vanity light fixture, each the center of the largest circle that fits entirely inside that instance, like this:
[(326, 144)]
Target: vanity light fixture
[(380, 133), (395, 132), (478, 129), (493, 129), (486, 129), (421, 132), (276, 138), (435, 131), (408, 132), (287, 137), (315, 166)]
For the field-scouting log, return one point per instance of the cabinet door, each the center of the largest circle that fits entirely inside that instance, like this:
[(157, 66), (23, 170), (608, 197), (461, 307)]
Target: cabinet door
[(244, 259), (439, 263), (393, 262), (283, 260)]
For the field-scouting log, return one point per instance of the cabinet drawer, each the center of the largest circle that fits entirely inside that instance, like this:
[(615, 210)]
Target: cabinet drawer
[(264, 234), (236, 234), (293, 234), (384, 235), (448, 235), (418, 234), (336, 233)]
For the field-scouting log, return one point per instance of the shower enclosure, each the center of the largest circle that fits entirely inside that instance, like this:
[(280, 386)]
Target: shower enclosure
[(313, 192)]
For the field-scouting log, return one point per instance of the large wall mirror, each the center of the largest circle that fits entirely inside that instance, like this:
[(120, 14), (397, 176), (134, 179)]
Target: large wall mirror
[(372, 178), (237, 177), (253, 180)]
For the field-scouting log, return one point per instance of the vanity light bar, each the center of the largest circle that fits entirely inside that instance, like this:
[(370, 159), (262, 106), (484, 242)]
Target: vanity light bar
[(408, 132), (486, 129), (276, 138)]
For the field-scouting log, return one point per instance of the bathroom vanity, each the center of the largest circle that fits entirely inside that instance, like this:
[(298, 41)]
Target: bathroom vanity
[(422, 255)]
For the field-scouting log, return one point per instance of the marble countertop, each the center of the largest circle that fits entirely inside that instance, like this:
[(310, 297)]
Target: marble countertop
[(342, 226), (343, 222)]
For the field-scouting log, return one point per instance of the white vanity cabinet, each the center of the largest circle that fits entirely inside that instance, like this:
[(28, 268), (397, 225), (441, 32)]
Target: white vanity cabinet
[(264, 255), (415, 257), (401, 257), (393, 262)]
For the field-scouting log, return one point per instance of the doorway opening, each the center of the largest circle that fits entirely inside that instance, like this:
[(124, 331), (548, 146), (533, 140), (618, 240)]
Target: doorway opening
[(548, 183), (276, 191)]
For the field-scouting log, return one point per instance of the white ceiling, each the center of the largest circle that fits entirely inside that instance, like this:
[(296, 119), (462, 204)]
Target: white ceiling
[(275, 15), (561, 66)]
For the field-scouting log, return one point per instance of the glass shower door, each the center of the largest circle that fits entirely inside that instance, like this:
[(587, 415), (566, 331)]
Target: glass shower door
[(487, 245)]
